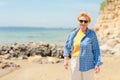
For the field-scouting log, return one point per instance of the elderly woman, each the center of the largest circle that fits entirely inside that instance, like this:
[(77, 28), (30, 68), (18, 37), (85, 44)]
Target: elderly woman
[(82, 45)]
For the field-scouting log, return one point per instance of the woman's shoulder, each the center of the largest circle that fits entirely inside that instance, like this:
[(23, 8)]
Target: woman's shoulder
[(92, 31)]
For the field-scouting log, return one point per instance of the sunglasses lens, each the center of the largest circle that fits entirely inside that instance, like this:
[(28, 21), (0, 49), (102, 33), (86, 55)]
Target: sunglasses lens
[(85, 21), (81, 21)]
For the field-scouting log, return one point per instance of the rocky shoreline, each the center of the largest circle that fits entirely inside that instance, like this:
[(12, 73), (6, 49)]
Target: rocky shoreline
[(23, 51), (42, 53), (46, 51), (33, 52)]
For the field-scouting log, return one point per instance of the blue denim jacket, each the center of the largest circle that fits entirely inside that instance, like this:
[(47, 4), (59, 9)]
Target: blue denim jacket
[(89, 50)]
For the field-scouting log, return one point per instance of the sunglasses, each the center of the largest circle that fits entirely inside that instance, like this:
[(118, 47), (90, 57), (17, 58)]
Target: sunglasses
[(85, 21)]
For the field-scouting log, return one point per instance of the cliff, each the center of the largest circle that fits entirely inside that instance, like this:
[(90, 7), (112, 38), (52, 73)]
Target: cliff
[(108, 27)]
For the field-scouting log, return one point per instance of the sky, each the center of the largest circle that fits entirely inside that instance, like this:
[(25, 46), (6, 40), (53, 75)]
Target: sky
[(46, 13)]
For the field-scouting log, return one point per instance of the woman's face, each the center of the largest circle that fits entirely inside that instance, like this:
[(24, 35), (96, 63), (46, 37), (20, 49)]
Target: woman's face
[(83, 22)]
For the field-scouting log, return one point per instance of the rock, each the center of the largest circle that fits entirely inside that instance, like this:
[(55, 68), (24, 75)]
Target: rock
[(111, 43), (23, 51), (37, 59), (116, 49), (22, 47), (53, 54), (7, 56), (4, 65), (22, 57), (53, 60), (45, 45), (4, 48), (14, 46), (107, 27), (44, 61), (32, 45)]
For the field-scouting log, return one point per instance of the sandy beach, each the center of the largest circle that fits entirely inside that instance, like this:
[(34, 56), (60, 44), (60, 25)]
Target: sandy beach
[(35, 71)]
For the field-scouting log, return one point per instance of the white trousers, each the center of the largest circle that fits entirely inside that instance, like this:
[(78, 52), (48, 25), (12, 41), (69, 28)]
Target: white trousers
[(78, 75)]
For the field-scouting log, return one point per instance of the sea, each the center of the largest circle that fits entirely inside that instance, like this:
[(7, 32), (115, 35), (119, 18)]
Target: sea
[(9, 35)]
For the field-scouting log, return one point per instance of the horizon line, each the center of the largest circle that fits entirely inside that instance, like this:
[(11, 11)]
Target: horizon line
[(34, 27)]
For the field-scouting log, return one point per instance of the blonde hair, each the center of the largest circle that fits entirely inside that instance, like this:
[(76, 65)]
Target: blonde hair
[(86, 15)]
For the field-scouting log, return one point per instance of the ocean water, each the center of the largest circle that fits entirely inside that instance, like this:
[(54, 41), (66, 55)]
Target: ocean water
[(10, 35)]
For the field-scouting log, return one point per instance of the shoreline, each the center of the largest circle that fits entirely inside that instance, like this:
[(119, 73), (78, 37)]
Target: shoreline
[(30, 49), (27, 42)]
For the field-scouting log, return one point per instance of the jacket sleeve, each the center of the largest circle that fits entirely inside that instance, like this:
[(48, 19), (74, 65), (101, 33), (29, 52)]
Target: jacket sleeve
[(96, 50), (67, 47)]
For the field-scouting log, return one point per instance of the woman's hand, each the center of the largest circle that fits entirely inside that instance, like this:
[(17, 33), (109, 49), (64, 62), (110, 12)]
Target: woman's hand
[(97, 69), (66, 62)]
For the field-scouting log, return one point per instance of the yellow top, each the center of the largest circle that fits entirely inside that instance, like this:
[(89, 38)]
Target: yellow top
[(76, 43)]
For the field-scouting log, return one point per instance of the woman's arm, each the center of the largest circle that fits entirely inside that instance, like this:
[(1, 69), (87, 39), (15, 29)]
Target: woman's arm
[(67, 51), (66, 62), (96, 53)]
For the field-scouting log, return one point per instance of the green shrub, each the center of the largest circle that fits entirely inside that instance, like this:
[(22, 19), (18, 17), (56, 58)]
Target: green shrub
[(102, 5)]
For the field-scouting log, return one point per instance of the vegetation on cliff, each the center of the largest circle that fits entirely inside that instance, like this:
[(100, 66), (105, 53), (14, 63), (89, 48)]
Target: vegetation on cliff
[(102, 5)]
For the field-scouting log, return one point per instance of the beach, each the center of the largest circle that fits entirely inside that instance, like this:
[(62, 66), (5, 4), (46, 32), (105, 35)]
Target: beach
[(35, 71), (28, 58)]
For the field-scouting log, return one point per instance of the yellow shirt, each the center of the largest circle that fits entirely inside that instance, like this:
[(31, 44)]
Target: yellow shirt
[(76, 43)]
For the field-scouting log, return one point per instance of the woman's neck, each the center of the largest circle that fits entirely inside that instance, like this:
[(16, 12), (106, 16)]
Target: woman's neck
[(84, 30)]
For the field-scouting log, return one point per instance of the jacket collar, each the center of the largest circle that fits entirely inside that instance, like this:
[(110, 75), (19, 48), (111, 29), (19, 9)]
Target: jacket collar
[(87, 31)]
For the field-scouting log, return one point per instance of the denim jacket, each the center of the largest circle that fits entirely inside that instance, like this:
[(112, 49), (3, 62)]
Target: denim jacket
[(89, 50)]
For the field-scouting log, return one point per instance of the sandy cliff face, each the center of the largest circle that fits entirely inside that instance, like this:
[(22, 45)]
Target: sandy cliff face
[(108, 27)]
